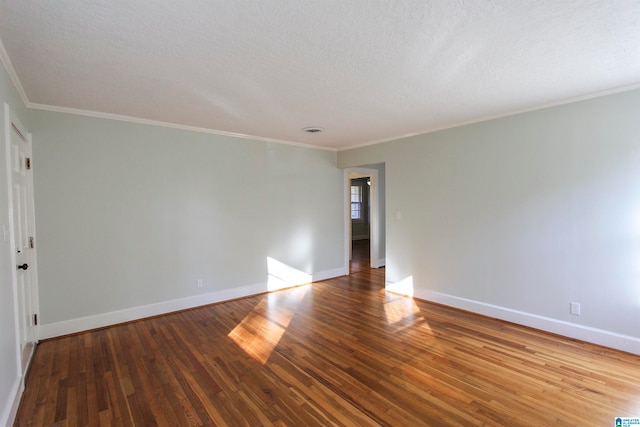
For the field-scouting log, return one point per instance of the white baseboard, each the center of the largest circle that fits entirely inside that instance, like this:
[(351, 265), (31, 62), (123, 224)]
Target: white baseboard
[(584, 333), (71, 326), (330, 274), (10, 408)]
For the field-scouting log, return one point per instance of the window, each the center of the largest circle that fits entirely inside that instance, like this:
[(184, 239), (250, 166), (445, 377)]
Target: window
[(356, 201)]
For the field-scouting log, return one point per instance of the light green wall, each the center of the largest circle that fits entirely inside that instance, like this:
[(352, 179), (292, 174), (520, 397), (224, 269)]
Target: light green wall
[(527, 212), (9, 372), (129, 214), (381, 197)]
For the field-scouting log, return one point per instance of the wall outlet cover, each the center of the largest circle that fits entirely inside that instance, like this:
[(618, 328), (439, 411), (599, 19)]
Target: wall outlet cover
[(575, 308)]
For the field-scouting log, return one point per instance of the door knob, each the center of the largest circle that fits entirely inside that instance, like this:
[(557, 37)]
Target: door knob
[(23, 266)]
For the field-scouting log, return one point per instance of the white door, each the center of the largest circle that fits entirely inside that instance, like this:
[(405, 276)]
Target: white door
[(22, 220)]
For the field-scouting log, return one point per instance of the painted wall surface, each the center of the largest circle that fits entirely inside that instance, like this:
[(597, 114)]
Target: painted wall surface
[(528, 212), (9, 372), (129, 214), (381, 197)]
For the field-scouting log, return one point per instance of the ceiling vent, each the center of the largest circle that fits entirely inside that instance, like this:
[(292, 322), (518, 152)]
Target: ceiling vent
[(313, 129)]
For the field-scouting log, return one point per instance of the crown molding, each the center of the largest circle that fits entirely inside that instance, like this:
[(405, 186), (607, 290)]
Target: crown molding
[(571, 100), (138, 120), (8, 65)]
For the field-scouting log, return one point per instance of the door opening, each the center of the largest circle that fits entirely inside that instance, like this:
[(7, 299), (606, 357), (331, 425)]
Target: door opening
[(360, 209), (362, 217)]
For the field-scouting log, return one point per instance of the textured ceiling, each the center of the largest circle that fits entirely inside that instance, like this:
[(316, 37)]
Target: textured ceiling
[(365, 71)]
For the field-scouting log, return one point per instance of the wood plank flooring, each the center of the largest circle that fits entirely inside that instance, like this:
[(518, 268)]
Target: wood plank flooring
[(339, 352), (360, 259)]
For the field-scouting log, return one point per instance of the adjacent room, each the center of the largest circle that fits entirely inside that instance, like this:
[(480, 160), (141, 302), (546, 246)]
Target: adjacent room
[(320, 213)]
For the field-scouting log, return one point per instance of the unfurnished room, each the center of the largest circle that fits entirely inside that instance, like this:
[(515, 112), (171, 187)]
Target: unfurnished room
[(320, 213)]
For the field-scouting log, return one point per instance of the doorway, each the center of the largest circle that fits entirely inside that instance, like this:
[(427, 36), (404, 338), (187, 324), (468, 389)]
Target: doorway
[(363, 218)]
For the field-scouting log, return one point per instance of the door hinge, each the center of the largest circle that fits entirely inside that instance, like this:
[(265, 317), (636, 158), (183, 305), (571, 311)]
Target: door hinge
[(27, 163), (32, 244), (35, 319)]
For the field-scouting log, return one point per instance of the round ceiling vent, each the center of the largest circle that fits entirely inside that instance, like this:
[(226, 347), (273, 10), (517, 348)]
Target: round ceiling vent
[(312, 129)]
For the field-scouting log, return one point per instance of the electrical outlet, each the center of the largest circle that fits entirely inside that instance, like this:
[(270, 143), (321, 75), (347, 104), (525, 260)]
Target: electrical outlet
[(199, 283), (575, 308)]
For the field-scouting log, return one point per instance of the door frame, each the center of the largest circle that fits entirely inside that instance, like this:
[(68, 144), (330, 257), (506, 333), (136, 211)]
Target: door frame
[(374, 225), (12, 122)]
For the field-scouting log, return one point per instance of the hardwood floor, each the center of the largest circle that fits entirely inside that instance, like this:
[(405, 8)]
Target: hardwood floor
[(339, 352), (360, 259)]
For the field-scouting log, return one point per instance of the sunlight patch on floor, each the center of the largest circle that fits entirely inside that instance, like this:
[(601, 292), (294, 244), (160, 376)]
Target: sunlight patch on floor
[(400, 308), (262, 329)]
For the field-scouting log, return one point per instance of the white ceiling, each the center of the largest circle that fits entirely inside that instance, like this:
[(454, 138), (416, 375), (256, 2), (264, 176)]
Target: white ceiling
[(365, 71)]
